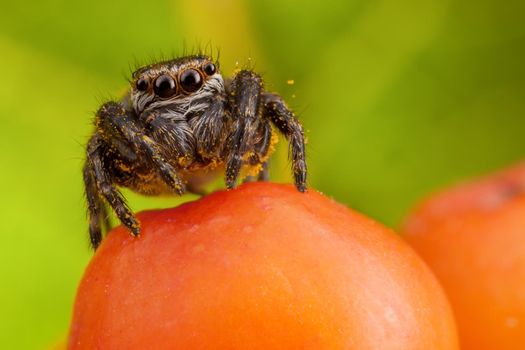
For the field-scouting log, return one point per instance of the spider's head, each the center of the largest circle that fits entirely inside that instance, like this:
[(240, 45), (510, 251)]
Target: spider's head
[(176, 82)]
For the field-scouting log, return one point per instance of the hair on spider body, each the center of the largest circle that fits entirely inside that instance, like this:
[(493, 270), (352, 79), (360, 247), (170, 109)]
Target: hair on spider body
[(181, 123)]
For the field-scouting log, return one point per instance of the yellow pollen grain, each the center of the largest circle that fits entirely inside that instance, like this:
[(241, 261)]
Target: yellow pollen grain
[(290, 82), (253, 170)]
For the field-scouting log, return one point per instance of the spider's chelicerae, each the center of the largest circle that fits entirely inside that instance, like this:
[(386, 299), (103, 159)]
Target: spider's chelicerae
[(180, 124)]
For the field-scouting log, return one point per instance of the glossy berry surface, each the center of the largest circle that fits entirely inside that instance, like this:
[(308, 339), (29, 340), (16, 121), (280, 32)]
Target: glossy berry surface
[(473, 237), (260, 267)]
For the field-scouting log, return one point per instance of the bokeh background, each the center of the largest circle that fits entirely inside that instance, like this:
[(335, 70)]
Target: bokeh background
[(399, 97)]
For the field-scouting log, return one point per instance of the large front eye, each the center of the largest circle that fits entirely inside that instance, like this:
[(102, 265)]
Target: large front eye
[(190, 80), (165, 86)]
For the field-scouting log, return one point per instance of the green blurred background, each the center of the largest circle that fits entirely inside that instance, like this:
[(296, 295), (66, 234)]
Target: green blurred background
[(399, 97)]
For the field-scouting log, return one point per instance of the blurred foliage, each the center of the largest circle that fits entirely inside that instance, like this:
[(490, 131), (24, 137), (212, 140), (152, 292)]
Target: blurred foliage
[(399, 98)]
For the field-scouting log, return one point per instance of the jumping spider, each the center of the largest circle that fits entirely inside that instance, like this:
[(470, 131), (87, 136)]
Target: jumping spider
[(180, 123)]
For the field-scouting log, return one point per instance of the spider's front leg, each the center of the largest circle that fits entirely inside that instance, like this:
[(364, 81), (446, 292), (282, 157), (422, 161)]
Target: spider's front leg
[(98, 180), (114, 128), (97, 211), (244, 99), (113, 118), (284, 119), (261, 149)]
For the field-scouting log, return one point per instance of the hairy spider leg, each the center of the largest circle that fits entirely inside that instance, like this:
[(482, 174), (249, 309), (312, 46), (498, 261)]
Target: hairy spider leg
[(245, 96), (260, 156), (97, 212), (95, 171), (111, 116), (262, 149), (284, 119), (115, 118)]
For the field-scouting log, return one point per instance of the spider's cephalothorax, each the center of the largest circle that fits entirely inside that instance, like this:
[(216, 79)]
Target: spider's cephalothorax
[(180, 123)]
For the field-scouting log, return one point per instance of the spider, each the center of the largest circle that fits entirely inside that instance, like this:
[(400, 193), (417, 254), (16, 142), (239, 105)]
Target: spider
[(181, 124)]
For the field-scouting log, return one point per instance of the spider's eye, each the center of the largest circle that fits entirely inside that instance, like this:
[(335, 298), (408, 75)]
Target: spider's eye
[(190, 80), (142, 84), (209, 69), (165, 86)]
